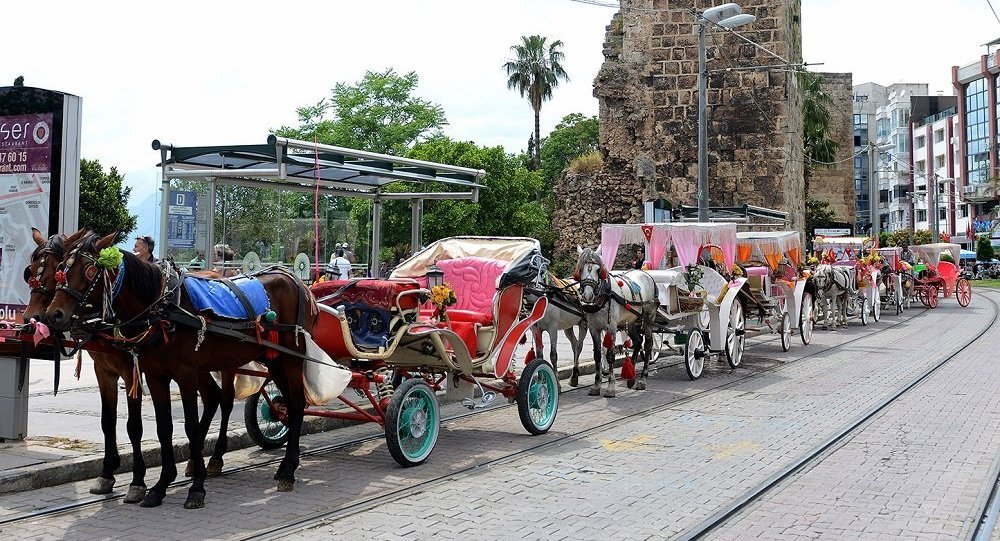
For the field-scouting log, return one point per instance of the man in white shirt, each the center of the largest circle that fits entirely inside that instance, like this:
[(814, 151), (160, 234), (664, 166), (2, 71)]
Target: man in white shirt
[(340, 265)]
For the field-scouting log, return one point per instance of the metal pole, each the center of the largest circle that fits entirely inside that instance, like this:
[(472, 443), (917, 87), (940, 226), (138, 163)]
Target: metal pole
[(416, 224), (702, 129), (209, 226), (164, 203), (376, 237), (934, 220)]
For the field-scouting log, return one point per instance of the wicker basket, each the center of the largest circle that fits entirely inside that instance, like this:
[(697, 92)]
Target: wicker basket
[(690, 304)]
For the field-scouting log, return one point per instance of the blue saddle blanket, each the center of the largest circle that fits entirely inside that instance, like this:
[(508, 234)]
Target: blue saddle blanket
[(215, 296)]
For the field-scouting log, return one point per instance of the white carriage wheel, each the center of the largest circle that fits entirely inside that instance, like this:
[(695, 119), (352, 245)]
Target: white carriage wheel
[(807, 319), (657, 349), (694, 354), (735, 335), (704, 318), (877, 309), (865, 311), (786, 331)]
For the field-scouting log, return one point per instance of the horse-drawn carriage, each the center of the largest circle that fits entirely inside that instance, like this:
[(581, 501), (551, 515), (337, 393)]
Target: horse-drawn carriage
[(697, 303), (776, 290), (941, 277), (847, 280), (403, 349), (895, 282)]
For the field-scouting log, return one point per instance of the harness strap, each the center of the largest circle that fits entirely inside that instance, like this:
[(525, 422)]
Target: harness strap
[(247, 306)]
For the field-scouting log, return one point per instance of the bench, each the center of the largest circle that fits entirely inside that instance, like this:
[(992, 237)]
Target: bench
[(474, 281)]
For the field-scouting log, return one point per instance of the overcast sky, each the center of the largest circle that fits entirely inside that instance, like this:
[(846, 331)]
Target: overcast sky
[(208, 72)]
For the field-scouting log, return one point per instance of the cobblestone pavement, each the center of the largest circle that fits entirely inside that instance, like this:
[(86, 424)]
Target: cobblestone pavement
[(648, 477), (919, 470)]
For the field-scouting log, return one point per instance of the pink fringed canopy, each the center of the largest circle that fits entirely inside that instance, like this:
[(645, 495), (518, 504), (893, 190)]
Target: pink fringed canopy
[(686, 238)]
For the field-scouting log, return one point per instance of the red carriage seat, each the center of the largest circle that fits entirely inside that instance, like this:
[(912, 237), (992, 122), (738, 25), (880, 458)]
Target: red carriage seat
[(474, 281), (371, 308), (374, 293), (949, 272)]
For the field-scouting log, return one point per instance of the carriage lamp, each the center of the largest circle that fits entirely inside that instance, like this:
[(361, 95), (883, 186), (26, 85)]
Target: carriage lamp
[(435, 276)]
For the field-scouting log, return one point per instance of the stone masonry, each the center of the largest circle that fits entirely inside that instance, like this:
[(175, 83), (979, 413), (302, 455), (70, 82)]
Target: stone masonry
[(648, 94), (835, 183)]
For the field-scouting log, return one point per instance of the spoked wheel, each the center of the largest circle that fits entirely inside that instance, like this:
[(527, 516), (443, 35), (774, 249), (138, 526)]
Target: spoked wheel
[(963, 291), (786, 331), (537, 396), (735, 335), (899, 304), (694, 354), (657, 350), (932, 296), (807, 319), (265, 425), (412, 422), (866, 309), (877, 310), (923, 297)]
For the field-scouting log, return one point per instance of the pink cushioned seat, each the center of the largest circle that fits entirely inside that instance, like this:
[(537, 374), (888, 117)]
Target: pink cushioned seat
[(757, 271), (474, 280)]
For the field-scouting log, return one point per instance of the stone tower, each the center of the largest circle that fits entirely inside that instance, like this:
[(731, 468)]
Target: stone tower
[(648, 94)]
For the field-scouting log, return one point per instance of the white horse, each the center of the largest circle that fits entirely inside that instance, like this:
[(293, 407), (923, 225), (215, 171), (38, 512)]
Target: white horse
[(623, 300), (833, 289), (563, 313)]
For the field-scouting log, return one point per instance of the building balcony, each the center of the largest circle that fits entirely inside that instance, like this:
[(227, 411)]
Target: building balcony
[(979, 193)]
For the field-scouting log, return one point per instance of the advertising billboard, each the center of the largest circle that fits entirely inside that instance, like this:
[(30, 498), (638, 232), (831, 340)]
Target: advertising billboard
[(39, 180)]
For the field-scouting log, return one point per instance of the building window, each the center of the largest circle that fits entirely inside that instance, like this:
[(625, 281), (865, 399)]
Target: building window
[(939, 136), (921, 215), (942, 214), (921, 166), (919, 142), (977, 131), (939, 161), (963, 211)]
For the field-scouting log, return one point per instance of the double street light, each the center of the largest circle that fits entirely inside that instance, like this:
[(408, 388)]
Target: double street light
[(725, 16)]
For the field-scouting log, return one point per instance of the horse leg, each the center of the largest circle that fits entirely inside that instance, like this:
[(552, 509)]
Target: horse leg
[(196, 440), (137, 489), (609, 353), (107, 383), (646, 333), (292, 389), (577, 343), (595, 335), (553, 354), (222, 444), (159, 394), (210, 398)]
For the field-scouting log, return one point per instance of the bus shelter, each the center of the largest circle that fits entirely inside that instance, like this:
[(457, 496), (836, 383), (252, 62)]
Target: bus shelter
[(307, 167)]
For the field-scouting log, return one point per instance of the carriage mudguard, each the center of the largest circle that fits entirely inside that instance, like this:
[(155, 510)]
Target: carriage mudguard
[(513, 336)]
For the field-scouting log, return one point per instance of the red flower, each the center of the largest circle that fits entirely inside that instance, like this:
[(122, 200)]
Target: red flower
[(60, 277)]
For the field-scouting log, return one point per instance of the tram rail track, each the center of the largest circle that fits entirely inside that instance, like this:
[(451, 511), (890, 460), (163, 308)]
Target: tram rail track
[(364, 504)]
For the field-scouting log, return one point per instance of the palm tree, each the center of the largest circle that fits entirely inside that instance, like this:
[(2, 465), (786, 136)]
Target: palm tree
[(820, 148), (535, 72)]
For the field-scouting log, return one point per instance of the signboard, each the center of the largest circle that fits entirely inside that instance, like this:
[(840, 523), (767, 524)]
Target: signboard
[(39, 180), (182, 219), (832, 232)]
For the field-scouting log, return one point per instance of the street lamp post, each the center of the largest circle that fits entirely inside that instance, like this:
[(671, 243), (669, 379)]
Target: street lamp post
[(726, 16)]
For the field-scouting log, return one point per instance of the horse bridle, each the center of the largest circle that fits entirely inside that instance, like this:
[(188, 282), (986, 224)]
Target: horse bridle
[(600, 286)]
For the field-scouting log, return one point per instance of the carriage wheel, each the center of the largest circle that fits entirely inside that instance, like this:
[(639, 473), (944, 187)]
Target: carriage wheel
[(657, 350), (786, 331), (412, 422), (264, 425), (694, 354), (932, 296), (877, 310), (866, 310), (736, 335), (537, 397), (963, 290), (899, 304), (807, 318)]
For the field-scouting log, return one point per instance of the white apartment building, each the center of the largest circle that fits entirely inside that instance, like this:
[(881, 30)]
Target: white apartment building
[(937, 159), (892, 167)]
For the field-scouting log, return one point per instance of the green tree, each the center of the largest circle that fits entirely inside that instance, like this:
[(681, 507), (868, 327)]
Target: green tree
[(19, 81), (819, 147), (534, 72), (984, 248), (378, 113), (104, 200), (818, 214), (576, 135)]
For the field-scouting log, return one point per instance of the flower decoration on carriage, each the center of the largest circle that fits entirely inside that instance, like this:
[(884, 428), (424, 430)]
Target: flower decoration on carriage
[(442, 296), (737, 271), (692, 277), (813, 260), (646, 266)]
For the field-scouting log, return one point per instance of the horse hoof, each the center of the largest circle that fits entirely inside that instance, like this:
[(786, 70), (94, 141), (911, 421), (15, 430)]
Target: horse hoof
[(640, 386), (609, 394), (630, 383), (195, 500), (189, 469), (135, 494), (574, 381), (284, 485), (595, 392), (102, 486), (214, 468), (152, 499)]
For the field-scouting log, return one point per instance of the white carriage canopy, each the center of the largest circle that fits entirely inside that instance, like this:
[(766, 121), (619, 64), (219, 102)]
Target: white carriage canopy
[(508, 249), (931, 253), (686, 238), (769, 246), (304, 166)]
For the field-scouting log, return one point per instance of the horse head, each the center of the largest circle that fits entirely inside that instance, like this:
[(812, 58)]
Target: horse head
[(592, 276), (79, 279), (823, 277), (40, 274)]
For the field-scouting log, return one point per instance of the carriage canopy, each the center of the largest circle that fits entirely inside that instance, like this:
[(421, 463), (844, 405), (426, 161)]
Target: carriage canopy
[(769, 246), (931, 253), (686, 238), (510, 250)]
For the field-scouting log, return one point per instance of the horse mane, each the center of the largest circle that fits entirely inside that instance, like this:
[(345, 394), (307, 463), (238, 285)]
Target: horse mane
[(587, 256)]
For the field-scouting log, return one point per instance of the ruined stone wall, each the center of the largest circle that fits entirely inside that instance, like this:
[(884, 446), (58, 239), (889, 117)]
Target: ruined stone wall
[(648, 94), (835, 183)]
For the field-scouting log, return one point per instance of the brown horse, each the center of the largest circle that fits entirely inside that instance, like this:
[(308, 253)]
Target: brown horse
[(110, 367), (176, 347)]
